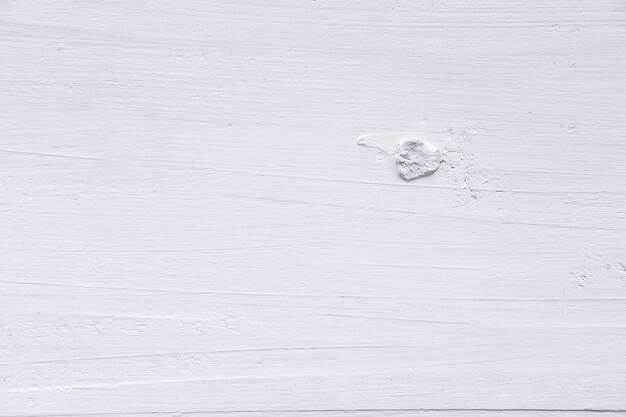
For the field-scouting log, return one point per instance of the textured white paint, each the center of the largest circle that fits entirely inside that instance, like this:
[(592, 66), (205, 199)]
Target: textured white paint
[(189, 228), (414, 157)]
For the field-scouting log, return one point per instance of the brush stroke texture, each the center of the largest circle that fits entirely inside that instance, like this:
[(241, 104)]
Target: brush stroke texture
[(189, 228)]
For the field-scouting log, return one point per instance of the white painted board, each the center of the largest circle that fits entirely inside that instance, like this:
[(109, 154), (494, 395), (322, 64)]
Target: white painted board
[(189, 228)]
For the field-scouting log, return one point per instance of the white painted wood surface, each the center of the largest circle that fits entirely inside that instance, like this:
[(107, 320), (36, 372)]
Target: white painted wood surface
[(188, 227)]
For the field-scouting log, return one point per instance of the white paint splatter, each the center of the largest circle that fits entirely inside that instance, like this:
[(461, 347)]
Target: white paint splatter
[(414, 157)]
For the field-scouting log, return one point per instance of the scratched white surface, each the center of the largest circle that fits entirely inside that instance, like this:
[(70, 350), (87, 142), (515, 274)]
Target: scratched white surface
[(187, 226)]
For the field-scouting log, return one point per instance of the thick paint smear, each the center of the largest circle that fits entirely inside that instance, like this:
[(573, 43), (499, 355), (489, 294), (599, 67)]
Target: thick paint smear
[(417, 159), (414, 157)]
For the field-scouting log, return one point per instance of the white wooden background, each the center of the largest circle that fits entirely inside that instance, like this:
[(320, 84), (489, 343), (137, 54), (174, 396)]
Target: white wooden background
[(188, 228)]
